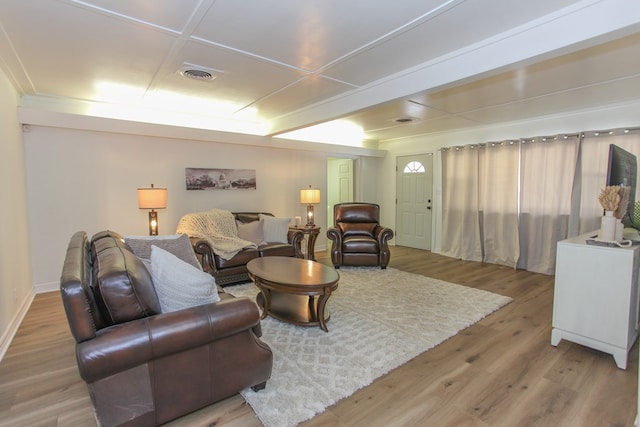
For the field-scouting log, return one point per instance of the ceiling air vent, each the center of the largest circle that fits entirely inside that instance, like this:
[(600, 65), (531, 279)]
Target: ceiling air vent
[(197, 72)]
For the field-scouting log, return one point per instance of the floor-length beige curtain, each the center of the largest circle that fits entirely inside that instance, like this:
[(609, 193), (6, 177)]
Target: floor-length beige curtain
[(460, 218), (594, 162), (498, 202), (547, 168)]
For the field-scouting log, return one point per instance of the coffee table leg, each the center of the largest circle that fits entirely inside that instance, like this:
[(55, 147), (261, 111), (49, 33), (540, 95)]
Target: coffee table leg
[(266, 299), (322, 301)]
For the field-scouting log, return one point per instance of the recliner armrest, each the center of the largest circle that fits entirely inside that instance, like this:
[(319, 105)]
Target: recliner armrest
[(334, 234), (131, 344), (382, 234)]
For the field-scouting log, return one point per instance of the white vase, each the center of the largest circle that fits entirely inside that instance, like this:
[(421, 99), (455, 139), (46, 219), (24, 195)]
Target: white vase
[(619, 230), (607, 227)]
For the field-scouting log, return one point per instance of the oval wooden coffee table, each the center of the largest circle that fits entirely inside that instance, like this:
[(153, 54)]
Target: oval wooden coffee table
[(294, 290)]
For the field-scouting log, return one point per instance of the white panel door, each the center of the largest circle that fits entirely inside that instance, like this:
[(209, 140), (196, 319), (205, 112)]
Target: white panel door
[(339, 184), (414, 195)]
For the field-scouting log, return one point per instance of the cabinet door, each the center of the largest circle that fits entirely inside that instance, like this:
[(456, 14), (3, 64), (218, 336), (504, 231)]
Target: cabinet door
[(593, 292)]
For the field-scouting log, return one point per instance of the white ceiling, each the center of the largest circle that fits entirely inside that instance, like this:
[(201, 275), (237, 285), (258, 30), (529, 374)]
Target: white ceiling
[(286, 64)]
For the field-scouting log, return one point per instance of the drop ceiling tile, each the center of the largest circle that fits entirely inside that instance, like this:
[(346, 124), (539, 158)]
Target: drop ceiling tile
[(169, 14), (384, 116), (306, 34), (440, 124), (583, 68), (614, 92), (242, 79), (61, 62), (462, 25), (310, 89)]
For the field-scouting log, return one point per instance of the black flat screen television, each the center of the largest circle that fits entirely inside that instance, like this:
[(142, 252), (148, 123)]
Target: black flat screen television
[(623, 170)]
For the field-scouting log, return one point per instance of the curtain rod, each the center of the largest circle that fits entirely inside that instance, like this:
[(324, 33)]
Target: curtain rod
[(561, 136)]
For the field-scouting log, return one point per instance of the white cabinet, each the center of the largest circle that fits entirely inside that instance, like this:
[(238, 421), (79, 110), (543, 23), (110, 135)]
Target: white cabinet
[(596, 296)]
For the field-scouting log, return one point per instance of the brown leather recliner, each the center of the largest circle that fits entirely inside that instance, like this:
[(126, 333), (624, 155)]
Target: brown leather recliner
[(358, 238), (143, 367)]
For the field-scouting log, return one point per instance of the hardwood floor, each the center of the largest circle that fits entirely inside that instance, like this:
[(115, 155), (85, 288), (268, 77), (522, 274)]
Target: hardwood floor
[(502, 371)]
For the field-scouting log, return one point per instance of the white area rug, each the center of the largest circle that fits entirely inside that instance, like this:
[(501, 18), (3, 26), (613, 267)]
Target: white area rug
[(380, 319)]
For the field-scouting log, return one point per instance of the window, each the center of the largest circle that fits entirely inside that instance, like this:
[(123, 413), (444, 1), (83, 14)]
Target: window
[(414, 167)]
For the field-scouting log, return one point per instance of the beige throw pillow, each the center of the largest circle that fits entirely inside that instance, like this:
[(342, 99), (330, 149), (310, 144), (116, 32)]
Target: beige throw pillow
[(251, 231), (177, 244)]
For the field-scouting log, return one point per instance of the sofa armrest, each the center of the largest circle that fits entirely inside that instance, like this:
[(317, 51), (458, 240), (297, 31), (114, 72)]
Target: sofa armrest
[(131, 344), (295, 238), (205, 254)]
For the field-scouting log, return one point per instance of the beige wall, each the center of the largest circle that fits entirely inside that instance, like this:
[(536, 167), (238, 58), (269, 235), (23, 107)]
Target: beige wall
[(87, 180), (16, 290)]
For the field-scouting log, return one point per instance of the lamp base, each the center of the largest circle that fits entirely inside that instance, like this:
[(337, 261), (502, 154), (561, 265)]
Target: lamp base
[(310, 216), (153, 223)]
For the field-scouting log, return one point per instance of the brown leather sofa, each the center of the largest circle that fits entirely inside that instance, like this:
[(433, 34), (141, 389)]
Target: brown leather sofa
[(234, 270), (144, 368), (357, 237)]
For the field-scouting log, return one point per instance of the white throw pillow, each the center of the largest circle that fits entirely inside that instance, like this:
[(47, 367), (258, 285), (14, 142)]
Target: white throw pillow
[(178, 284), (177, 244), (275, 230)]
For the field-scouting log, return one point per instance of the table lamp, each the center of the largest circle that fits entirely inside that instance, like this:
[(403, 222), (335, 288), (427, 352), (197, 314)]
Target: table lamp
[(152, 198), (310, 196)]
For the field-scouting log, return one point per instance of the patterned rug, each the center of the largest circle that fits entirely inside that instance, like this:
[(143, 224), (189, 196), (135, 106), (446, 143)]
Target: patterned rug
[(380, 319)]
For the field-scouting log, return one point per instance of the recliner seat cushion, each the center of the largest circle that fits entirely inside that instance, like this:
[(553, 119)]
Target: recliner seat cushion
[(359, 244)]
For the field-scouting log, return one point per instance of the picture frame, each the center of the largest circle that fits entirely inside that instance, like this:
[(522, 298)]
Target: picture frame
[(220, 179)]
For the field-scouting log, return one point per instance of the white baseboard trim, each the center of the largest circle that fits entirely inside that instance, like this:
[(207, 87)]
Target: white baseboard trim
[(8, 335), (47, 287)]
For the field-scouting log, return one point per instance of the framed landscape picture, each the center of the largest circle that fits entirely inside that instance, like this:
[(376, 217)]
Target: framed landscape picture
[(220, 179)]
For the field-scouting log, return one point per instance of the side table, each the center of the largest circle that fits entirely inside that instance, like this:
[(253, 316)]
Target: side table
[(311, 234)]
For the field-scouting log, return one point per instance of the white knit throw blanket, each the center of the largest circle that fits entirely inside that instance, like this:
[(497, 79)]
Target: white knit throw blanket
[(218, 227)]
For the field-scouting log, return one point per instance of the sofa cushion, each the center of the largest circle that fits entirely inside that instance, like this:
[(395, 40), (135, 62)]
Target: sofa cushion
[(179, 284), (122, 284), (277, 249), (275, 230), (240, 259), (177, 244)]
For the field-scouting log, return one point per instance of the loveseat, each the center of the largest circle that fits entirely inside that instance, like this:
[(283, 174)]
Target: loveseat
[(271, 237), (144, 367)]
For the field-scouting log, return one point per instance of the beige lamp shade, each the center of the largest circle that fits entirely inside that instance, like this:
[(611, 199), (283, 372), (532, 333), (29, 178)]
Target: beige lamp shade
[(310, 196), (152, 198)]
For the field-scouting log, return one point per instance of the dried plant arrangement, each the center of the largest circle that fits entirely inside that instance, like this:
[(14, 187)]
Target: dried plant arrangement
[(610, 197), (621, 211)]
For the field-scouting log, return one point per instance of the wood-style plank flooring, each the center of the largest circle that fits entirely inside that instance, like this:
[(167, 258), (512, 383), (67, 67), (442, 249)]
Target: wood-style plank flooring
[(502, 371)]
